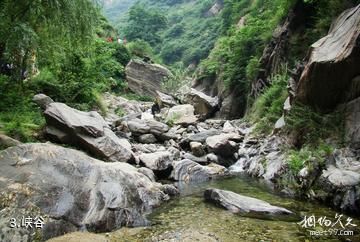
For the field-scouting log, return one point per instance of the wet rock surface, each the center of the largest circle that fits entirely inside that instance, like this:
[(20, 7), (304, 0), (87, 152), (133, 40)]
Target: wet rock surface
[(243, 205)]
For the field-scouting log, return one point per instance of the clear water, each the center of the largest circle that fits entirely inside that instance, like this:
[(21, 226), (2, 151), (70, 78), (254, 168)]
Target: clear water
[(190, 212)]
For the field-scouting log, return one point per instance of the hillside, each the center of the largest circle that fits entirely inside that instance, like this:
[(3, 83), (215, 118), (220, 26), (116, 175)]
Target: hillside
[(114, 9), (187, 35)]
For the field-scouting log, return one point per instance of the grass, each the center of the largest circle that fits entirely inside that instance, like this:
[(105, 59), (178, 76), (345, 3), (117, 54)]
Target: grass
[(311, 127), (23, 124), (307, 156), (268, 107)]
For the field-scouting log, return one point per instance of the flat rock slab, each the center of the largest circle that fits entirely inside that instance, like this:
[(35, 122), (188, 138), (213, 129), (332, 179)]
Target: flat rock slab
[(243, 205)]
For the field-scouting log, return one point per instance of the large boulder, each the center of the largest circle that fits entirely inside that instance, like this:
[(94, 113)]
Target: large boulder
[(165, 100), (189, 171), (246, 206), (71, 191), (6, 141), (333, 63), (339, 182), (182, 114), (157, 161), (224, 144), (139, 127), (69, 119), (145, 78), (204, 105), (42, 100), (87, 130)]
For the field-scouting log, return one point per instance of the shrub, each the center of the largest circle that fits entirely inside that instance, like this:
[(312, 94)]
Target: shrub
[(311, 127), (268, 107)]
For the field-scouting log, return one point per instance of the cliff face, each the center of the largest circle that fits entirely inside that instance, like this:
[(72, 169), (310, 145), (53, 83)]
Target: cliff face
[(332, 69)]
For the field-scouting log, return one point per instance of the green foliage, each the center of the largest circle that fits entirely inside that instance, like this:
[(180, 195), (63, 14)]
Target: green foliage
[(173, 83), (298, 159), (18, 116), (120, 112), (268, 107), (144, 23), (140, 48), (311, 127), (188, 35), (43, 29)]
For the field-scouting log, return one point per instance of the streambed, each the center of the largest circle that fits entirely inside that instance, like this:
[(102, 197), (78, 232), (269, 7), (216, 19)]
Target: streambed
[(190, 218)]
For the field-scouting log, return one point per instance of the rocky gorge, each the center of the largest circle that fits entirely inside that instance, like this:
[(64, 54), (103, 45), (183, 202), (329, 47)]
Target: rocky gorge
[(106, 173)]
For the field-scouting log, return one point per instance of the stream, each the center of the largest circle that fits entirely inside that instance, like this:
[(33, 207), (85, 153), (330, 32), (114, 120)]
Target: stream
[(189, 218)]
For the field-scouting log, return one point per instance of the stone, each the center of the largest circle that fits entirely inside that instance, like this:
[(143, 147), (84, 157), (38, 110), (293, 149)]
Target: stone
[(145, 78), (157, 161), (65, 118), (228, 127), (148, 173), (332, 64), (156, 127), (138, 126), (339, 182), (119, 107), (109, 146), (170, 190), (243, 205), (42, 100), (182, 115), (6, 141), (223, 144), (202, 136), (87, 130), (147, 139), (204, 105), (201, 160), (72, 191), (212, 158), (280, 123), (197, 149), (190, 171), (165, 100)]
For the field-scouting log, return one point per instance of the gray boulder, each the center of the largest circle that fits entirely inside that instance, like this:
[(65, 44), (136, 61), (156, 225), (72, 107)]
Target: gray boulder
[(157, 161), (6, 141), (42, 100), (138, 127), (190, 171), (147, 139), (87, 130), (165, 100), (333, 62), (197, 149), (223, 144), (181, 114), (71, 191), (202, 136), (144, 78), (69, 119), (243, 205), (204, 105)]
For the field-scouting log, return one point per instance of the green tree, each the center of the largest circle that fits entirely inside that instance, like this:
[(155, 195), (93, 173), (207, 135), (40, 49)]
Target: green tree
[(145, 24), (31, 29)]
